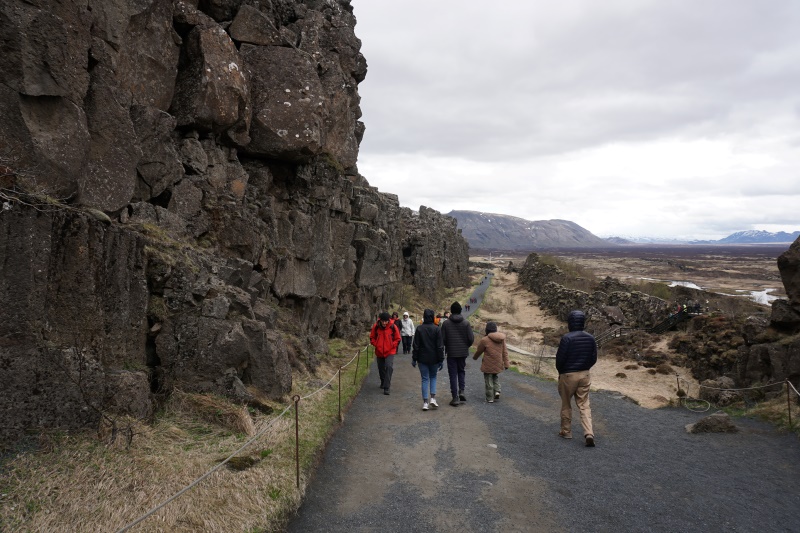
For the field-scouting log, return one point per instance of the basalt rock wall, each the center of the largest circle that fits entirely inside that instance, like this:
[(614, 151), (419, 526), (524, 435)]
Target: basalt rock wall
[(181, 205), (771, 349), (612, 303)]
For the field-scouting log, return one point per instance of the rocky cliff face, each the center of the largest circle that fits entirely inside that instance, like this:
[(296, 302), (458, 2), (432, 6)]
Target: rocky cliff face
[(748, 349), (612, 303), (772, 350), (181, 204)]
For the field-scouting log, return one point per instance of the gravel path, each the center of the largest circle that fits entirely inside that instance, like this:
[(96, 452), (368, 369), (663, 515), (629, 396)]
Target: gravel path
[(478, 294), (501, 467)]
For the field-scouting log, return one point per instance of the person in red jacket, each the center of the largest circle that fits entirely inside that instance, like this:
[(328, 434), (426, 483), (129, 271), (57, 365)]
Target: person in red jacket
[(385, 337)]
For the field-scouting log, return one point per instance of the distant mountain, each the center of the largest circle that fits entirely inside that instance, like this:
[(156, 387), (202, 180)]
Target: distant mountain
[(754, 237), (618, 240), (760, 237), (488, 231), (646, 240)]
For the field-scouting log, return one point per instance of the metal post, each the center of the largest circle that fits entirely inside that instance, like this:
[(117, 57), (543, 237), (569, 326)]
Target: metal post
[(296, 399), (340, 394), (788, 404)]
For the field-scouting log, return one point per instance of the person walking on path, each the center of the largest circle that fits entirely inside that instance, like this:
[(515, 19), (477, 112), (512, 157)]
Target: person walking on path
[(495, 360), (385, 337), (407, 330), (457, 337), (428, 353), (577, 353)]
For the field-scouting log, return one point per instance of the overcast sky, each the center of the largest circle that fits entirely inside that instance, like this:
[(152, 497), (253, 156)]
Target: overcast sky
[(663, 118)]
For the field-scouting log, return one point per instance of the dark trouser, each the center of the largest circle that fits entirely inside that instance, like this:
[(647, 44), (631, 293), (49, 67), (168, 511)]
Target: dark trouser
[(385, 369), (407, 344), (456, 369)]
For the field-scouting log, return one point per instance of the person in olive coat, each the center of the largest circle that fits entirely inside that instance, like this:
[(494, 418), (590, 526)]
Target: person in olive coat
[(495, 360)]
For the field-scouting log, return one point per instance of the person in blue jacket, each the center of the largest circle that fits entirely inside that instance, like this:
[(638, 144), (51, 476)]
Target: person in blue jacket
[(577, 353)]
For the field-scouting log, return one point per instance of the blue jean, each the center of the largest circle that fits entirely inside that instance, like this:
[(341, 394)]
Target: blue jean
[(428, 373)]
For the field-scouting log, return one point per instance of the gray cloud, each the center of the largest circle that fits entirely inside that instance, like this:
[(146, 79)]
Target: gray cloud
[(525, 88)]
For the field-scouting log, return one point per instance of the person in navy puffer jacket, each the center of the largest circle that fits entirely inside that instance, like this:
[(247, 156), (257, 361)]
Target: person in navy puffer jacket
[(577, 353)]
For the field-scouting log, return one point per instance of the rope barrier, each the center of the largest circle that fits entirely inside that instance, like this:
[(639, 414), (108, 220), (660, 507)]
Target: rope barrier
[(686, 399), (743, 388), (309, 395), (350, 361), (232, 455)]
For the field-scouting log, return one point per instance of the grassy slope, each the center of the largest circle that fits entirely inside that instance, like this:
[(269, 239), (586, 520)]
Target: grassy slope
[(78, 482)]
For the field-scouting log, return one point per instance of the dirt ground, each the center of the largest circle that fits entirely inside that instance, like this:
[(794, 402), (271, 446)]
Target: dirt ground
[(525, 323), (726, 270)]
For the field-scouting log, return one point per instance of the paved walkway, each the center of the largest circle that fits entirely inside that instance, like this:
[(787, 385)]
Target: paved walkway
[(500, 467), (478, 294)]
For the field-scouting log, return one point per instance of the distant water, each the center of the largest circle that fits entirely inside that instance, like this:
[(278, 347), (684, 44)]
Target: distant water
[(761, 297), (685, 284)]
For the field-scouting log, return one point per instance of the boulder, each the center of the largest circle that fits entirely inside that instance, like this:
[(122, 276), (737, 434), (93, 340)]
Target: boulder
[(719, 422), (212, 92), (719, 391), (789, 267), (289, 105), (784, 314), (251, 26)]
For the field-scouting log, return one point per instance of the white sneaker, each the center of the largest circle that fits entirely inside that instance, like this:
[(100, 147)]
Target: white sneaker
[(434, 405), (424, 406)]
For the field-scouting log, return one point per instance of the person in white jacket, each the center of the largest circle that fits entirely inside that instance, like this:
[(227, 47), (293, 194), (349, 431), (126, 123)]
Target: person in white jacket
[(407, 330)]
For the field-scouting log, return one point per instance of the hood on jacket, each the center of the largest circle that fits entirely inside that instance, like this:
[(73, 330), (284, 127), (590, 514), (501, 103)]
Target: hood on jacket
[(496, 336), (456, 318), (427, 316), (576, 321)]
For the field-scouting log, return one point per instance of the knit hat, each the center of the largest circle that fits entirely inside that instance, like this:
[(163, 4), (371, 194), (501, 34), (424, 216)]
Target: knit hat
[(491, 327), (455, 308), (405, 314), (384, 316)]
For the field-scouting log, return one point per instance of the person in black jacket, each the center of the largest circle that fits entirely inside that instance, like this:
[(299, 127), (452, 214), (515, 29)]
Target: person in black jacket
[(457, 337), (427, 351), (577, 353)]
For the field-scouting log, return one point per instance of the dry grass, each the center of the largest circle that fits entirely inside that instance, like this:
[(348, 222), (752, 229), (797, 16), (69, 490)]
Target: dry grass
[(71, 482), (493, 304), (775, 411)]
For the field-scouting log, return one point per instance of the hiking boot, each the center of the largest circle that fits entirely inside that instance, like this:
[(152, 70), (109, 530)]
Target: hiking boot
[(386, 392), (434, 405), (424, 406), (454, 402), (565, 434), (489, 401), (496, 395), (462, 397), (590, 441)]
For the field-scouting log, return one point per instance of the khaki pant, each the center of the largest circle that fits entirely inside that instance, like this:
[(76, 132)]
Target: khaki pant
[(575, 384), (492, 386)]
